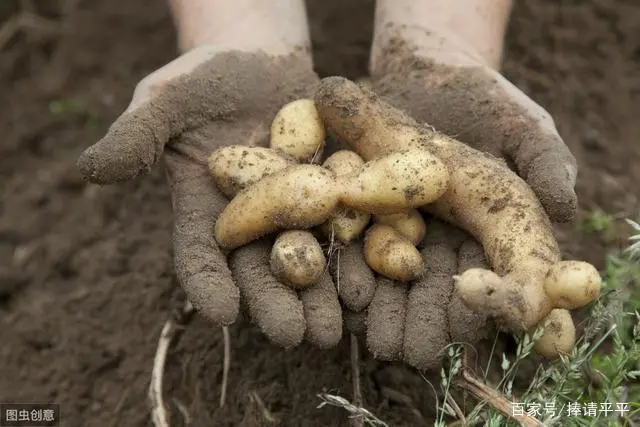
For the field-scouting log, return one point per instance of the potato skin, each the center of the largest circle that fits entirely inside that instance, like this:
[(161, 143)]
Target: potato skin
[(236, 167), (410, 224), (390, 254), (396, 182), (297, 259), (572, 284), (299, 197), (559, 335), (298, 130)]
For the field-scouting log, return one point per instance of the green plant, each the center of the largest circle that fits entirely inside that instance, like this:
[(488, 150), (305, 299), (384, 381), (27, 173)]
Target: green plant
[(598, 221), (76, 108), (597, 384)]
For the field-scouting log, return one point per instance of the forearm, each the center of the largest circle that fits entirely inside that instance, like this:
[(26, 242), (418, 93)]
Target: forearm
[(476, 26), (275, 27)]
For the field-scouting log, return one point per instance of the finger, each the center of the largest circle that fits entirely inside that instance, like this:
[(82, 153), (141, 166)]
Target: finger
[(132, 145), (183, 94), (274, 307), (530, 139), (466, 325), (483, 109), (426, 325), (353, 277), (547, 165), (322, 313), (385, 320), (441, 232), (201, 267), (355, 322)]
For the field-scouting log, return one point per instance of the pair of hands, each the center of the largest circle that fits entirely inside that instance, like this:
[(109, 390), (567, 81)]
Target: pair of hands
[(209, 98)]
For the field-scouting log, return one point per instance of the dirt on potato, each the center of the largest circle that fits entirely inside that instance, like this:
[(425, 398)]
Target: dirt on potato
[(86, 273)]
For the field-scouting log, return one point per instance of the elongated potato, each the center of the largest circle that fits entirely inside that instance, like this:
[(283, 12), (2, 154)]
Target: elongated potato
[(347, 223), (236, 167), (299, 197), (396, 182), (410, 224), (298, 131), (482, 197), (559, 334), (297, 259), (390, 254)]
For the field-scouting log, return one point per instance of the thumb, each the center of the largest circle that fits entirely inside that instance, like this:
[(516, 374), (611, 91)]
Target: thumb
[(132, 145), (158, 111)]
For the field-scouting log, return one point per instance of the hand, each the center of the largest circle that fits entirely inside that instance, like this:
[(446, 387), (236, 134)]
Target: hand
[(449, 86), (184, 111)]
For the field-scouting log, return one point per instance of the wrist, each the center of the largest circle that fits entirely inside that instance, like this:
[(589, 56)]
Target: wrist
[(276, 28), (464, 32)]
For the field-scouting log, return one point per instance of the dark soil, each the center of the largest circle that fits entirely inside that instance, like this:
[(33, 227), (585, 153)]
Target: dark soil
[(86, 275)]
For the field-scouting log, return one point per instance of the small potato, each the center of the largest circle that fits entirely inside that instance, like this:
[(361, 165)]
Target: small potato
[(298, 130), (297, 259), (347, 223), (410, 224), (344, 162), (299, 197), (396, 182), (236, 167), (390, 254), (572, 284), (559, 335)]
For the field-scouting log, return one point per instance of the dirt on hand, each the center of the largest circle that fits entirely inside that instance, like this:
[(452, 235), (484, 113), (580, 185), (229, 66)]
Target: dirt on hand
[(95, 264)]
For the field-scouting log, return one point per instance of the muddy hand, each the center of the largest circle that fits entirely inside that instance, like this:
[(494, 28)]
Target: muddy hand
[(451, 88), (183, 112), (416, 322)]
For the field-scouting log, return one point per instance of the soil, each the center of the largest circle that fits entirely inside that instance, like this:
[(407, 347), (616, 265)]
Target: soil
[(86, 274)]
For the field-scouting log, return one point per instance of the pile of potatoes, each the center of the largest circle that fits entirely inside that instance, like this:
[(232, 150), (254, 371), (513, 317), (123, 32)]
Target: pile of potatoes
[(396, 168)]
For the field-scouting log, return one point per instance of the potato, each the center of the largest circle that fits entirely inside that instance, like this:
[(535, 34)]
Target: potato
[(572, 284), (482, 196), (390, 254), (298, 131), (344, 162), (396, 182), (347, 223), (559, 335), (410, 224), (236, 167), (486, 292), (297, 259), (299, 197)]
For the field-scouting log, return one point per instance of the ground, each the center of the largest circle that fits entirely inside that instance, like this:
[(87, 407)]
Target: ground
[(86, 276)]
